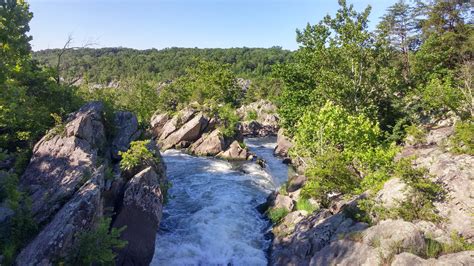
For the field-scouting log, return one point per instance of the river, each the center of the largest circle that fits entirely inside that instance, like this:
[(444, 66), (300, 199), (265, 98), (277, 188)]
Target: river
[(211, 218)]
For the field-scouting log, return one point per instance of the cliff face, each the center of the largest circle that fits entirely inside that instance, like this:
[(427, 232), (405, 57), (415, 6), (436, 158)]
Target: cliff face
[(334, 235), (68, 180)]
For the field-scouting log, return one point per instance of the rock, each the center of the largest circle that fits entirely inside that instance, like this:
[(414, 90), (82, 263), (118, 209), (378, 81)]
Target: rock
[(176, 122), (157, 123), (346, 252), (287, 225), (454, 171), (209, 144), (126, 131), (283, 202), (141, 212), (62, 163), (283, 144), (264, 124), (394, 236), (234, 152), (190, 131), (57, 239), (455, 259), (296, 182), (393, 193)]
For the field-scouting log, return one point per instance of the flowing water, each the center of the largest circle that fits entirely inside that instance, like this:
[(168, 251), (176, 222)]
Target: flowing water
[(211, 218)]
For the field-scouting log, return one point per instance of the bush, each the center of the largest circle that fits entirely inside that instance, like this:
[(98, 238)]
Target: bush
[(228, 120), (329, 173), (463, 139), (277, 214), (97, 246), (417, 133), (456, 244), (305, 205), (138, 154), (251, 115)]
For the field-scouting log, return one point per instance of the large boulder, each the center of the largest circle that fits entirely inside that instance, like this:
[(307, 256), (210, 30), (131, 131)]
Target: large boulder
[(393, 193), (454, 171), (157, 123), (234, 152), (57, 239), (346, 252), (283, 144), (263, 121), (189, 132), (174, 123), (209, 144), (63, 161), (126, 131), (455, 259), (141, 214)]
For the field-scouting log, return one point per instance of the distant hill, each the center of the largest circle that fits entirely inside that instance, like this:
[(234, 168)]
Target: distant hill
[(106, 65)]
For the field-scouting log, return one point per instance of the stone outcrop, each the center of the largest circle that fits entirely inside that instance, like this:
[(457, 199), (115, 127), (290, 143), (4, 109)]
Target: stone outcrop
[(126, 131), (283, 144), (66, 180), (140, 212), (210, 144), (259, 119), (234, 152), (189, 132), (454, 171), (58, 237), (456, 259), (63, 160)]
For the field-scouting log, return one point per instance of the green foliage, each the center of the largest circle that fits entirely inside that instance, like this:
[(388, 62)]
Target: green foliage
[(251, 115), (21, 227), (463, 139), (122, 64), (207, 83), (276, 215), (457, 243), (136, 155), (331, 127), (305, 205), (418, 134), (97, 246), (228, 120), (330, 173)]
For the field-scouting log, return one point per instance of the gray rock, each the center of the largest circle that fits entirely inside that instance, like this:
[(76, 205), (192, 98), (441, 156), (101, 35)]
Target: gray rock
[(283, 144), (234, 152), (58, 237), (141, 214), (394, 236), (283, 202), (176, 122), (266, 122), (296, 182), (5, 214), (62, 163), (455, 259), (392, 194), (190, 131), (209, 144), (126, 131), (157, 123), (346, 252)]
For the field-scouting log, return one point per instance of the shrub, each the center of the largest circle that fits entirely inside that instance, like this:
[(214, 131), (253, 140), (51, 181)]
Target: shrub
[(305, 205), (463, 139), (329, 173), (137, 155), (456, 244), (251, 115), (277, 214), (97, 246), (417, 133), (228, 120)]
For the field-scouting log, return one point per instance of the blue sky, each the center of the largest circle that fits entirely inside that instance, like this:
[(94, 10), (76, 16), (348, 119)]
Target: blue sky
[(143, 24)]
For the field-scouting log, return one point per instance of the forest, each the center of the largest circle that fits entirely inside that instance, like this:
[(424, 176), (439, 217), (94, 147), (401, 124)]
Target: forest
[(348, 97)]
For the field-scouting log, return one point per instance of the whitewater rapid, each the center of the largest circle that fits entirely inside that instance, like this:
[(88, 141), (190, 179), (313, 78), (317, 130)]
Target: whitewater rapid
[(211, 218)]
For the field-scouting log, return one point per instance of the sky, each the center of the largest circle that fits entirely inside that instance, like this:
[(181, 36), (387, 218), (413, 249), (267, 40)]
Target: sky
[(144, 24)]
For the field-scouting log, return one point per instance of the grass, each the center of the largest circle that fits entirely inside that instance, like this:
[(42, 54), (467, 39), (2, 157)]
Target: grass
[(276, 215), (305, 205)]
